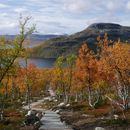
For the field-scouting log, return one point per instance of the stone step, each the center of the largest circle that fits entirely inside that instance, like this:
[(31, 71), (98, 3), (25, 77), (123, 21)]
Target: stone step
[(51, 121)]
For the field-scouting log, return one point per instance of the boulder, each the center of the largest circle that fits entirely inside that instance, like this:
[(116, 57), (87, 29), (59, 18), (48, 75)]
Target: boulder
[(116, 117), (58, 111), (39, 115), (29, 113), (37, 125), (99, 128), (31, 119), (23, 103), (67, 105), (55, 100), (47, 99), (61, 104)]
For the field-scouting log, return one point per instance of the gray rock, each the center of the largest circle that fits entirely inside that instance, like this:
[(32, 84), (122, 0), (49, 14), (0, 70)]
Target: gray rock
[(61, 104), (99, 128), (116, 117), (58, 111), (67, 105), (31, 119), (87, 116)]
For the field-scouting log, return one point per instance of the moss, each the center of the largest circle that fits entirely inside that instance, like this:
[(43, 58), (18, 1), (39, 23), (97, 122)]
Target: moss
[(120, 122)]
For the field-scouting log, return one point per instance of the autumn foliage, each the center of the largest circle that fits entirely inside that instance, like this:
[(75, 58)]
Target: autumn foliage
[(91, 76), (101, 75)]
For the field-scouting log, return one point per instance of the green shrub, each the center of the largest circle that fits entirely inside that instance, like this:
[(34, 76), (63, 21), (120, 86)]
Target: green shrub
[(101, 102)]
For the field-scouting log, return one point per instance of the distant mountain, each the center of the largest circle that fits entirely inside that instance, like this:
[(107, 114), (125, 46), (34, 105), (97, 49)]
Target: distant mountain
[(64, 45), (36, 39)]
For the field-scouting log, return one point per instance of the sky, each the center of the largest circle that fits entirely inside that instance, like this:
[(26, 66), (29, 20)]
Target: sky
[(62, 16)]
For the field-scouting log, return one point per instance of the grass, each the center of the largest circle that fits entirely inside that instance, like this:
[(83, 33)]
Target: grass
[(120, 122), (82, 116), (9, 127), (13, 120)]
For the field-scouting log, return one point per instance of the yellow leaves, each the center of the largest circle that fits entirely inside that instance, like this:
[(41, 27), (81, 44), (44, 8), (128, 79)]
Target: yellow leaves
[(121, 54), (100, 84), (59, 62), (58, 72), (118, 57), (2, 41)]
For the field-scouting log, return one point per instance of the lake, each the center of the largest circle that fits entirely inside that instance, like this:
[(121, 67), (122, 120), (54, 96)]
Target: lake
[(41, 63)]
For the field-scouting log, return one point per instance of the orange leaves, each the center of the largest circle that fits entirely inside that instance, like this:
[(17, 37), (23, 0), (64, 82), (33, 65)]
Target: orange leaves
[(103, 43), (86, 65), (35, 77), (120, 55), (85, 54), (102, 68), (117, 59)]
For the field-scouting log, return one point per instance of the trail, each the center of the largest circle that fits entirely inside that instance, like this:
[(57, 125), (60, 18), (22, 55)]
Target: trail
[(51, 120), (34, 105)]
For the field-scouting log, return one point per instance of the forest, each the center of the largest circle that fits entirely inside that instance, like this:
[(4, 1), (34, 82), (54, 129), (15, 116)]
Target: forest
[(94, 79)]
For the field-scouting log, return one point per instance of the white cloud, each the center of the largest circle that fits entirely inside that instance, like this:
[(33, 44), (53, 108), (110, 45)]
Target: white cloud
[(76, 6), (32, 0), (8, 27), (110, 5), (20, 10), (128, 5), (4, 14), (63, 16), (3, 5), (7, 24)]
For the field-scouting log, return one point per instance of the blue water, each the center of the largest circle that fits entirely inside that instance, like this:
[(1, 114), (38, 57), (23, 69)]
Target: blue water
[(41, 63)]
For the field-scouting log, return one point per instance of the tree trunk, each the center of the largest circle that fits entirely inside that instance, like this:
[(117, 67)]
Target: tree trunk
[(13, 89), (93, 97), (6, 88), (76, 97)]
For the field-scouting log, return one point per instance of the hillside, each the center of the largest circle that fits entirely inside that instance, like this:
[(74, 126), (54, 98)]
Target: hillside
[(35, 39), (64, 45)]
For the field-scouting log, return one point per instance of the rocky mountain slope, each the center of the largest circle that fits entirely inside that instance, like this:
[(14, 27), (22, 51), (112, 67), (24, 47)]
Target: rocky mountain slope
[(64, 45)]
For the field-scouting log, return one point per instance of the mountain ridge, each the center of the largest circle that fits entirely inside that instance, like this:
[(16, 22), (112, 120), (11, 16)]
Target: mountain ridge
[(65, 45), (54, 45), (35, 39)]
